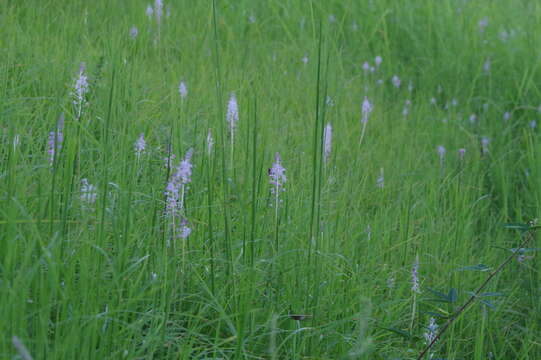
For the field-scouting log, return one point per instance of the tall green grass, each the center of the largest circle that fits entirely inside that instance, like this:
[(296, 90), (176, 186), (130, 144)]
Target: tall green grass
[(100, 282)]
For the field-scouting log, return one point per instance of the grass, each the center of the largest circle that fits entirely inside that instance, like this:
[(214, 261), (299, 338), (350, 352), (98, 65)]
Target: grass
[(108, 280)]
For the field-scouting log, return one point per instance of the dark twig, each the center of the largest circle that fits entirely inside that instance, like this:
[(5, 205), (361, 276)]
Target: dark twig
[(528, 237)]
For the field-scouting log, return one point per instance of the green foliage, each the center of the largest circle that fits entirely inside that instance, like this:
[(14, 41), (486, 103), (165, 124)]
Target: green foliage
[(107, 281)]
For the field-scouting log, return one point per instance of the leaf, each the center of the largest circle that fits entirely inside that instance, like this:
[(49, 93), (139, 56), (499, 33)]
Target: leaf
[(487, 303), (490, 294), (438, 294), (519, 226), (478, 267), (453, 295), (403, 333)]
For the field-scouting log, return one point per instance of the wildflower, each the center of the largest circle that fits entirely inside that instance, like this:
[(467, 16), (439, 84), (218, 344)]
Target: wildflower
[(80, 90), (431, 331), (210, 142), (134, 32), (332, 18), (396, 81), (378, 60), (184, 170), (252, 19), (379, 82), (504, 36), (139, 145), (483, 23), (533, 124), (486, 66), (182, 90), (484, 145), (184, 230), (176, 186), (433, 101), (441, 153), (366, 66), (473, 118), (88, 192), (149, 11), (305, 59), (55, 139), (327, 141), (329, 101), (366, 109), (232, 114), (461, 153), (158, 10), (406, 109), (506, 116), (415, 286), (277, 177), (454, 102), (380, 181)]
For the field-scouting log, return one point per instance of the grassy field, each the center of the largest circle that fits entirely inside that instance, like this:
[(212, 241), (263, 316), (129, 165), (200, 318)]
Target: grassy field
[(279, 179)]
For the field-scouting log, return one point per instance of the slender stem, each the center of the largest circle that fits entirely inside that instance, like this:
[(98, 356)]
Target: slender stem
[(527, 239)]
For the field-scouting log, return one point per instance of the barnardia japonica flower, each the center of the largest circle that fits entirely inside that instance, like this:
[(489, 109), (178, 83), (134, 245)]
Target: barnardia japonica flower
[(55, 140), (232, 115), (182, 90), (277, 178), (80, 90), (415, 283), (139, 145)]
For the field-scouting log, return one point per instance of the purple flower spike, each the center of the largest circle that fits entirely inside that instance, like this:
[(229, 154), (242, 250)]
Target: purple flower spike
[(183, 90), (366, 109), (139, 145), (55, 139), (415, 285), (134, 32), (232, 113), (277, 179)]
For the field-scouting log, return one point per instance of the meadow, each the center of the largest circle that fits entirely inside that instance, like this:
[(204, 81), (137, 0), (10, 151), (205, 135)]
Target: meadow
[(278, 179)]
